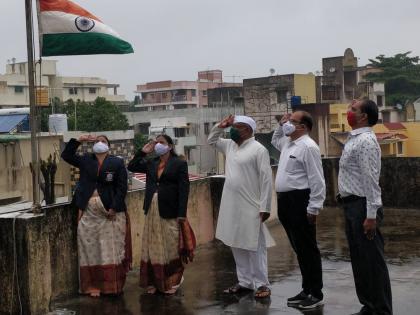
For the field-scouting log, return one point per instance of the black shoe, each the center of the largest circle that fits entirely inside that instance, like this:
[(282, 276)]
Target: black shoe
[(310, 302), (364, 311), (297, 299)]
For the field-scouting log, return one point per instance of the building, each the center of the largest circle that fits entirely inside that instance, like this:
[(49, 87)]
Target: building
[(15, 173), (14, 90), (171, 95), (266, 97), (343, 80), (190, 129)]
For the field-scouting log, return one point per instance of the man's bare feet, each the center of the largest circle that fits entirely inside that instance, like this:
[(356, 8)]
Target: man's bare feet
[(151, 290), (95, 293), (171, 291)]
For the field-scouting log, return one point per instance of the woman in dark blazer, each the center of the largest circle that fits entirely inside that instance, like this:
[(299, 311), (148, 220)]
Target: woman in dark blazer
[(103, 232), (165, 204)]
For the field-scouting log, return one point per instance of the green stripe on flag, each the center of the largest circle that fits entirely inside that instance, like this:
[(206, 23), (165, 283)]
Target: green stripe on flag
[(64, 44)]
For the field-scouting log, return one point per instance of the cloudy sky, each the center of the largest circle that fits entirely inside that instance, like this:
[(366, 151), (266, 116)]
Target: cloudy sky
[(173, 39)]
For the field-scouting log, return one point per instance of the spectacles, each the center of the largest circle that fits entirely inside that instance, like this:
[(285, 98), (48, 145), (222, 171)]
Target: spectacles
[(295, 122)]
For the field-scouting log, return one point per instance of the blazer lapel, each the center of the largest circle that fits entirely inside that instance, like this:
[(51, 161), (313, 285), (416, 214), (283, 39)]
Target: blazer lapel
[(168, 165)]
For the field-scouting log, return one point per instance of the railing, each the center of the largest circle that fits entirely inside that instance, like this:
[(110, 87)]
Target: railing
[(179, 98)]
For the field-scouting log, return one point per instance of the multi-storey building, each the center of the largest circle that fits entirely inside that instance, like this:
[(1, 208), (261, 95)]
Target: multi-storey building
[(170, 95), (14, 90)]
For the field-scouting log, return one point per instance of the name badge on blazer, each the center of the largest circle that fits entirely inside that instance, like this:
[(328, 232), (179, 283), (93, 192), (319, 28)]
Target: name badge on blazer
[(109, 177)]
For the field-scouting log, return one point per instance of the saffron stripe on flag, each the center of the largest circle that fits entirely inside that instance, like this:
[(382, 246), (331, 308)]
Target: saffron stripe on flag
[(65, 6)]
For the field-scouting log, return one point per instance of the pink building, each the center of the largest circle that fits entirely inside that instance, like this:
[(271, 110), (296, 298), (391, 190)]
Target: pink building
[(169, 95)]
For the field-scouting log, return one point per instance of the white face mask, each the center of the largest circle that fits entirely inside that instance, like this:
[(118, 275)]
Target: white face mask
[(288, 128), (100, 147), (161, 149)]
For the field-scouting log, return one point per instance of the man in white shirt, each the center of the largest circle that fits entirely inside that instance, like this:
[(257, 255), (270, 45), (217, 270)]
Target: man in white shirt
[(246, 203), (300, 188), (360, 196)]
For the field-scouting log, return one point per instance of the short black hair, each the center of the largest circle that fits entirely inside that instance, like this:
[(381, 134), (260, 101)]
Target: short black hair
[(307, 120), (371, 109)]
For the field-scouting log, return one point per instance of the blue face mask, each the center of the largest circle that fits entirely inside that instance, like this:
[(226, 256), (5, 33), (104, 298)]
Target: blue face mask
[(161, 149), (100, 147), (234, 134)]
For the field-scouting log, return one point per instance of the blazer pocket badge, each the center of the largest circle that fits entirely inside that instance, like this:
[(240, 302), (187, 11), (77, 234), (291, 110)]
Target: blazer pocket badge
[(109, 176)]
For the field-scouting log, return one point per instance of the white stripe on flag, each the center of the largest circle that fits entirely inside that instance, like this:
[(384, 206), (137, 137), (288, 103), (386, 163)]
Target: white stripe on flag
[(56, 22)]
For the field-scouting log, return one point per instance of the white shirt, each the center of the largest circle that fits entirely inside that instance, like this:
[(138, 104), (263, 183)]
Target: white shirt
[(247, 192), (360, 167), (300, 167)]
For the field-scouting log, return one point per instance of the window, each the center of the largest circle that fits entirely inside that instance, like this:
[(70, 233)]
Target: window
[(92, 90), (152, 95), (281, 95), (206, 128), (193, 93), (329, 93), (18, 89), (164, 95), (379, 100), (179, 132), (204, 92), (73, 91), (399, 147), (187, 151)]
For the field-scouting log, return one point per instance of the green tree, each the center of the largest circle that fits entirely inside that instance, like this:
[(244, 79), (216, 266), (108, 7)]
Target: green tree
[(102, 115), (139, 141), (401, 75)]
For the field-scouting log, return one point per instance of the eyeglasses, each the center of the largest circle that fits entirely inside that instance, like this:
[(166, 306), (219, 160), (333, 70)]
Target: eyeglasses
[(295, 122)]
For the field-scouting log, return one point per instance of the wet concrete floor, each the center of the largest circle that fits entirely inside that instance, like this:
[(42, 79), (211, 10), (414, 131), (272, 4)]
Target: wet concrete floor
[(214, 270)]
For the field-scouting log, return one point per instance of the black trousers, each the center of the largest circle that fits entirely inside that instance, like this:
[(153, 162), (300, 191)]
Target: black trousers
[(292, 212), (370, 272)]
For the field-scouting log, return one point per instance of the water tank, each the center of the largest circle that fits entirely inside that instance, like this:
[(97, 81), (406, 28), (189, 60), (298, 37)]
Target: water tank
[(14, 111), (57, 123), (295, 101)]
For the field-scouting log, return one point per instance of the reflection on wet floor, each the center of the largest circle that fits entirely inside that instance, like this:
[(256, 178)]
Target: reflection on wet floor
[(214, 270)]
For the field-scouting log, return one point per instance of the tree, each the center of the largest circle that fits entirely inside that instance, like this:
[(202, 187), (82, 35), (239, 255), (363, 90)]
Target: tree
[(401, 75), (139, 141), (102, 115)]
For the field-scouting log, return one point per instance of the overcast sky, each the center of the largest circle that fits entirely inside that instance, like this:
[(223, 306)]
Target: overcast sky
[(173, 39)]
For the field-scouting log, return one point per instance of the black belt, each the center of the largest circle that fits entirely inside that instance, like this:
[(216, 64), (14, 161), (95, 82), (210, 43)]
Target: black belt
[(348, 199)]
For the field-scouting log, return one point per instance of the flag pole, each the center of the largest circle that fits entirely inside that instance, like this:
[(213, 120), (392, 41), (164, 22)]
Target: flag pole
[(36, 207)]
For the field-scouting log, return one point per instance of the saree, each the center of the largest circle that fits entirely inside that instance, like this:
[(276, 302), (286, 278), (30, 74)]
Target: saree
[(161, 265), (104, 248)]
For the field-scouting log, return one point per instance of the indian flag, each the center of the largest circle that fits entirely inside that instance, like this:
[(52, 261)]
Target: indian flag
[(68, 29)]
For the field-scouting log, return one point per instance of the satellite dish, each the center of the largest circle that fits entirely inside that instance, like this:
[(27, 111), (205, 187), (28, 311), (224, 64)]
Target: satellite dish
[(272, 71)]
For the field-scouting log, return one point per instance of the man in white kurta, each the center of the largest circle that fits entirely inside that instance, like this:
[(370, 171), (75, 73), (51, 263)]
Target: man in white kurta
[(246, 202)]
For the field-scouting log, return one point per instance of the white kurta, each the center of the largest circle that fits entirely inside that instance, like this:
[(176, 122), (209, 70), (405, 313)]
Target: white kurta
[(247, 192)]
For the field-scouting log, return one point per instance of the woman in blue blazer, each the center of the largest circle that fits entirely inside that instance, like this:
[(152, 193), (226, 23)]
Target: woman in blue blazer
[(103, 232)]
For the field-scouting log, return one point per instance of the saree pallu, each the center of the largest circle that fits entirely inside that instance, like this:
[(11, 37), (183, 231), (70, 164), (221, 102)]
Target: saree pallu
[(104, 247), (161, 265)]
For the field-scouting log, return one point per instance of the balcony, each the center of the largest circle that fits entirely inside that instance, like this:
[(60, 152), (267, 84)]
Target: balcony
[(179, 98)]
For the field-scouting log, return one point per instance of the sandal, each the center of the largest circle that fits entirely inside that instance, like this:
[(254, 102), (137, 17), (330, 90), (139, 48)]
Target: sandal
[(262, 292), (236, 289)]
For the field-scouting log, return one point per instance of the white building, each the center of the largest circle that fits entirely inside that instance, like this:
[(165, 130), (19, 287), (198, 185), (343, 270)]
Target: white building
[(14, 91), (189, 128)]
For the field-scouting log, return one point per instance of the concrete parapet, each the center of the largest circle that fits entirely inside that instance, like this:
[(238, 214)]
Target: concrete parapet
[(46, 249)]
